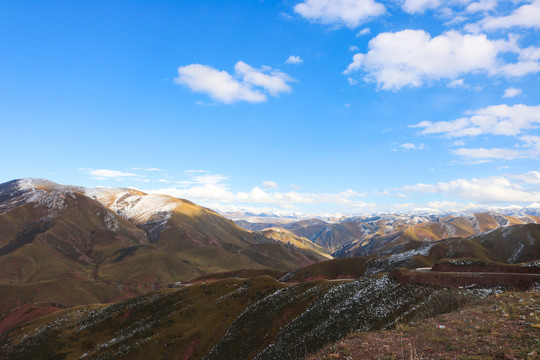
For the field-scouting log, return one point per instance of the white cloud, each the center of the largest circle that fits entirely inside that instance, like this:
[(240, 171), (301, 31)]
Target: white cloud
[(275, 82), (532, 177), (527, 15), (221, 194), (533, 143), (495, 120), (209, 179), (270, 184), (530, 149), (249, 84), (153, 169), (456, 83), (364, 31), (411, 146), (353, 48), (114, 174), (209, 188), (195, 171), (350, 13), (511, 92), (293, 59), (488, 154), (413, 57), (419, 6), (482, 5), (496, 189)]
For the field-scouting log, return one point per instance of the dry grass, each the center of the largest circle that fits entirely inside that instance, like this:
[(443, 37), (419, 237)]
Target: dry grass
[(497, 327)]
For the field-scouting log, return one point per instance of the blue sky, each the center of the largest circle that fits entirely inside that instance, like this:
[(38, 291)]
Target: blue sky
[(314, 106)]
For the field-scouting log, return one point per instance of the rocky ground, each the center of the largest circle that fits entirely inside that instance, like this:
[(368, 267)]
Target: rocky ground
[(504, 326)]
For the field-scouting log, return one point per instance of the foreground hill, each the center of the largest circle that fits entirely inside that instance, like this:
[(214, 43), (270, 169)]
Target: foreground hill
[(502, 326), (70, 245), (229, 319), (264, 313), (360, 236)]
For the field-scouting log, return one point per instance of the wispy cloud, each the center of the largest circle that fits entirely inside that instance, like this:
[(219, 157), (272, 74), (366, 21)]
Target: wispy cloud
[(411, 146), (153, 169), (270, 184), (495, 120), (107, 173), (527, 16), (495, 189)]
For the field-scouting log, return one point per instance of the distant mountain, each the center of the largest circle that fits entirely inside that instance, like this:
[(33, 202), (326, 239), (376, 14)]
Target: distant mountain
[(508, 245), (72, 245), (359, 236), (287, 237)]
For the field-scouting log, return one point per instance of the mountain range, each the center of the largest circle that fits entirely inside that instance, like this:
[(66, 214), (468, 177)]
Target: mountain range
[(72, 245), (359, 236), (121, 274)]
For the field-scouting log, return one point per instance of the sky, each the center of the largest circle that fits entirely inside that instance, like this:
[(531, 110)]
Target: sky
[(304, 106)]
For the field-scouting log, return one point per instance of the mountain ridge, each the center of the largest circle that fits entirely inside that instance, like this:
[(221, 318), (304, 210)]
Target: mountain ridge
[(110, 244)]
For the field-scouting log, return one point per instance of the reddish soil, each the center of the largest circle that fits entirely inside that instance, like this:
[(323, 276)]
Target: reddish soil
[(462, 279), (447, 267), (25, 313)]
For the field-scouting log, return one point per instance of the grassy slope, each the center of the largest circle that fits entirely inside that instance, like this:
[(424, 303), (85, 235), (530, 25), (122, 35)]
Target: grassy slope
[(497, 327), (230, 318), (84, 244)]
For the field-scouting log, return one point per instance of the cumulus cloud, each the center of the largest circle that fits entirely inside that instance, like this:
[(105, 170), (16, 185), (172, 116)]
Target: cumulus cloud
[(527, 16), (511, 92), (248, 84), (350, 13), (496, 189), (293, 59), (419, 6), (495, 120), (413, 57), (272, 81)]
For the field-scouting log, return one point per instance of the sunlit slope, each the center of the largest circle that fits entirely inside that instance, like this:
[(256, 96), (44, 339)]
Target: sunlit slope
[(117, 242), (287, 237), (359, 236)]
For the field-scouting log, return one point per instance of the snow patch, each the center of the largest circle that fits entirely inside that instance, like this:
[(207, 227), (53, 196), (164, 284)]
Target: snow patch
[(134, 206)]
